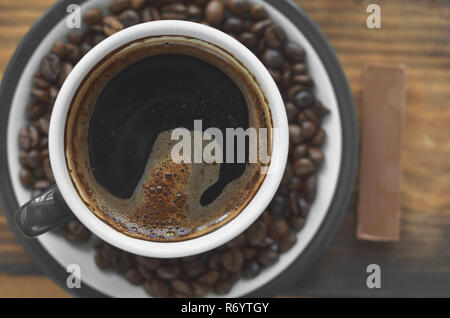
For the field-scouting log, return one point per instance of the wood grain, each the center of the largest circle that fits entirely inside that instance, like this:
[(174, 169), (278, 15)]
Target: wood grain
[(415, 33), (29, 287)]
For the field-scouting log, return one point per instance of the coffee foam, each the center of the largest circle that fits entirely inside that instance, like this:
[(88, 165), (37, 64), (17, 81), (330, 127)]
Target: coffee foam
[(165, 206)]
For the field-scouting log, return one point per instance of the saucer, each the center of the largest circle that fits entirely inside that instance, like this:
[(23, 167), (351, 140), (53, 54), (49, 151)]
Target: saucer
[(53, 253)]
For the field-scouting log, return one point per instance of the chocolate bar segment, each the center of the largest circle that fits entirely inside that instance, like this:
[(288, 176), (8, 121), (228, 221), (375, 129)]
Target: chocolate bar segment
[(381, 143)]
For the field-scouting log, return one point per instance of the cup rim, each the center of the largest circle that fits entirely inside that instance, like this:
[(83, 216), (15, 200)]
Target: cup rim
[(222, 234)]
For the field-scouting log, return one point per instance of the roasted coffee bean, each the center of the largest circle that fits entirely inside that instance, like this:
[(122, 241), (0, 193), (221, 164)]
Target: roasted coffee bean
[(209, 278), (248, 39), (304, 99), (232, 260), (294, 52), (309, 129), (92, 16), (291, 111), (112, 249), (74, 38), (137, 4), (194, 12), (150, 263), (256, 233), (294, 203), (295, 134), (59, 48), (42, 95), (276, 75), (274, 36), (251, 269), (299, 151), (28, 138), (215, 12), (77, 232), (304, 207), (238, 7), (39, 82), (273, 59), (286, 78), (117, 6), (126, 261), (316, 155), (174, 11), (181, 286), (223, 287), (73, 53), (266, 242), (39, 173), (288, 173), (299, 68), (260, 47), (277, 206), (23, 158), (238, 241), (266, 218), (278, 229), (283, 190), (53, 93), (35, 110), (319, 138), (50, 67), (150, 14), (129, 18), (267, 257), (320, 110), (157, 288), (26, 177), (296, 184), (303, 167), (134, 276), (146, 273), (311, 116), (301, 118), (288, 241), (194, 269), (66, 68), (311, 187), (274, 246), (85, 47), (260, 27), (100, 260), (233, 26), (249, 252), (297, 222), (24, 139), (302, 79), (44, 152), (199, 290), (258, 12), (111, 25), (292, 92), (166, 272)]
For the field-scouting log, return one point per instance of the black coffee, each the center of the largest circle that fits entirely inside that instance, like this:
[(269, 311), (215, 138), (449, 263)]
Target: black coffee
[(118, 139)]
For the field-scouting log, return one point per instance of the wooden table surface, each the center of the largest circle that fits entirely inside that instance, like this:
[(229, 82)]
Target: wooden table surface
[(415, 33)]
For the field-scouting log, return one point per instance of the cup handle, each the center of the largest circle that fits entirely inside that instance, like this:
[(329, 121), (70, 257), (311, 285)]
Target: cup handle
[(43, 213)]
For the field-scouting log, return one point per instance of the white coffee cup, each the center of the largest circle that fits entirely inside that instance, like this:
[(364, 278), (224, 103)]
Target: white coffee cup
[(62, 202)]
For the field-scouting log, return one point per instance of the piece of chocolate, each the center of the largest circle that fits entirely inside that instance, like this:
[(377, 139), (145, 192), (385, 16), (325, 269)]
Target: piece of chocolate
[(381, 141)]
